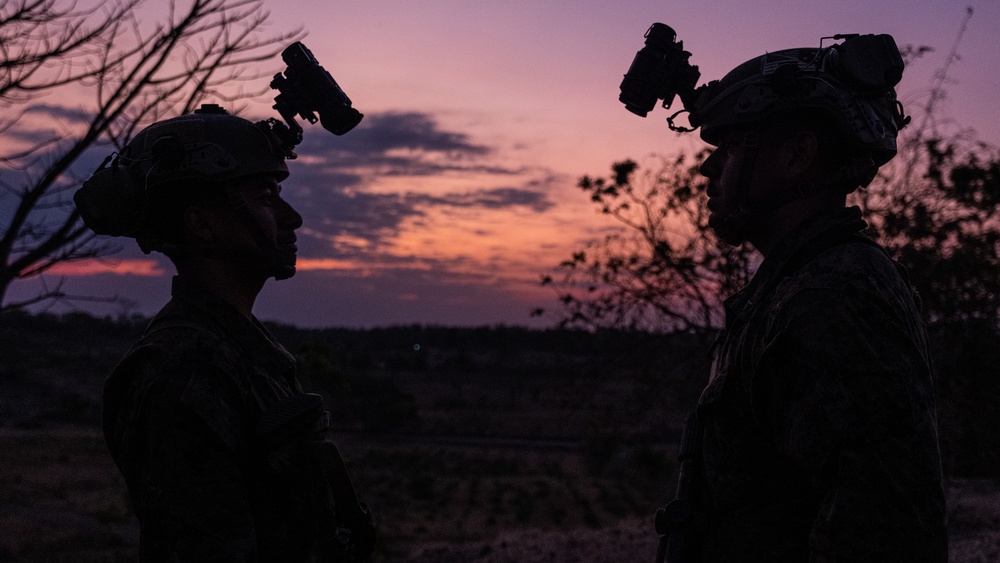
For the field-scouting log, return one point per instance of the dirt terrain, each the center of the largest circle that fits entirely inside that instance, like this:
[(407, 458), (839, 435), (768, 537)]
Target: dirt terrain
[(471, 445), (62, 500)]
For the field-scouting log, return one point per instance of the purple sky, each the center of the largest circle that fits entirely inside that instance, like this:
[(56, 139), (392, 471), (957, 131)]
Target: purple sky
[(457, 191)]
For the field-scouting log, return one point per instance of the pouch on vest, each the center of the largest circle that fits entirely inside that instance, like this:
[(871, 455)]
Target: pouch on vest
[(291, 435)]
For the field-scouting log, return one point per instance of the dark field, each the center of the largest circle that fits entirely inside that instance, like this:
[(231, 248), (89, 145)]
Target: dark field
[(62, 500), (470, 444)]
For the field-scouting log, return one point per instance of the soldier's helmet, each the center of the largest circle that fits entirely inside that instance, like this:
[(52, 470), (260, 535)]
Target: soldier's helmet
[(852, 83), (201, 150)]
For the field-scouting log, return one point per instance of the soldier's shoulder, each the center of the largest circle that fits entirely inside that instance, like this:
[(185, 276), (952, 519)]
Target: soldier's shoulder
[(859, 281), (171, 351), (857, 268)]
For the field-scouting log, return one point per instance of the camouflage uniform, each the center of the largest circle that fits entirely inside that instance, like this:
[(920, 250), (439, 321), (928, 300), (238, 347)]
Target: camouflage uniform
[(820, 439), (179, 418)]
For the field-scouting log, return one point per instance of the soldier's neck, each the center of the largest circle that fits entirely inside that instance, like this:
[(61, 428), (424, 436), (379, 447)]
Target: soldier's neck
[(238, 288)]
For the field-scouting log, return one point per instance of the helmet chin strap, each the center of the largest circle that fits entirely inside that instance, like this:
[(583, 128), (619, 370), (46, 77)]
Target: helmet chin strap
[(732, 227)]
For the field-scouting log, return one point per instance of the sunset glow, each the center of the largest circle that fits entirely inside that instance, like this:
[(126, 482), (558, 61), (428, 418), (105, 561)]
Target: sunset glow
[(96, 267), (458, 189)]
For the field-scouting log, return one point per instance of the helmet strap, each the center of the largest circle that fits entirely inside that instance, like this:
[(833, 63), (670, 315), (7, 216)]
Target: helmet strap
[(732, 227)]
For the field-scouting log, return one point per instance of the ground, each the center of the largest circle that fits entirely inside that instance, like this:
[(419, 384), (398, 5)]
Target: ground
[(437, 501)]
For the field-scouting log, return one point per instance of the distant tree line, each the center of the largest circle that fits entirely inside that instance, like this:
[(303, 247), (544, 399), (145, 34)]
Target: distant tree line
[(52, 370)]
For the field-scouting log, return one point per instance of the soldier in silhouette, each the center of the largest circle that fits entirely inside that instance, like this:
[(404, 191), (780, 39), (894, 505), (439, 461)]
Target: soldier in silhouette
[(221, 450), (816, 435)]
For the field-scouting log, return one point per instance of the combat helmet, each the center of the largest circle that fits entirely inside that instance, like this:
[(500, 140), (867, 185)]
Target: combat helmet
[(851, 83), (204, 149)]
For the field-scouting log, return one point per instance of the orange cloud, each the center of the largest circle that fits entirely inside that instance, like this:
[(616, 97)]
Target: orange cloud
[(118, 267), (323, 264)]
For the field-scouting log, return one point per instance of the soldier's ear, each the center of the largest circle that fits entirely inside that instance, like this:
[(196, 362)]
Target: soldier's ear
[(800, 154), (201, 223)]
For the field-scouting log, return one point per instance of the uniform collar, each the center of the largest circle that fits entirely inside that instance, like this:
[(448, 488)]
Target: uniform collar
[(839, 223), (213, 312)]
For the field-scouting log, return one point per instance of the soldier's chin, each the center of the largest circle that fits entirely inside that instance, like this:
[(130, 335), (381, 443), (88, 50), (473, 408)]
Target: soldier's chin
[(283, 265), (284, 272), (728, 228)]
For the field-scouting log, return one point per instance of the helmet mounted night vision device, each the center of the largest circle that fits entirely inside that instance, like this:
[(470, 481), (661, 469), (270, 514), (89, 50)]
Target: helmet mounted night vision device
[(307, 89), (852, 82)]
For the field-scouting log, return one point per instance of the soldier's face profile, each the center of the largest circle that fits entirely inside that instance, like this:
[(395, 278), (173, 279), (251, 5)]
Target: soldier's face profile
[(273, 214), (257, 230), (739, 175), (275, 221), (723, 168)]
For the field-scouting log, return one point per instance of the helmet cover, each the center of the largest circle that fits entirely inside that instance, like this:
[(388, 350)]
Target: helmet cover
[(851, 83), (209, 144), (202, 149)]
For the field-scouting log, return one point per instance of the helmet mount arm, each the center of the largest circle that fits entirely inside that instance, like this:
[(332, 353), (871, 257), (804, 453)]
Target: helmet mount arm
[(678, 128), (289, 135), (306, 89)]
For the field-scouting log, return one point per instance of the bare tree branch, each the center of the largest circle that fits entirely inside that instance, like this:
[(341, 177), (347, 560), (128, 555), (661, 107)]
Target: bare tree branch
[(136, 76), (665, 270)]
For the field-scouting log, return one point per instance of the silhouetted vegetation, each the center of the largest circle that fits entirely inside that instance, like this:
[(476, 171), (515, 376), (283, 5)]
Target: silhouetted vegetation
[(934, 207), (666, 270)]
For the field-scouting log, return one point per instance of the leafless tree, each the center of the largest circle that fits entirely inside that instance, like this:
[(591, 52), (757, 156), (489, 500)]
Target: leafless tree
[(74, 78)]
